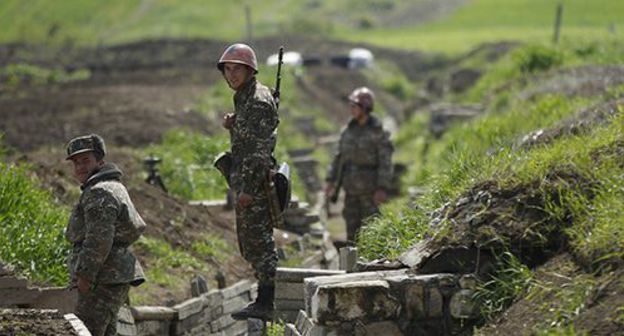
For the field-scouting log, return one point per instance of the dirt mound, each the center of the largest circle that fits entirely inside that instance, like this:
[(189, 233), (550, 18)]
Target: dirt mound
[(598, 316), (33, 322)]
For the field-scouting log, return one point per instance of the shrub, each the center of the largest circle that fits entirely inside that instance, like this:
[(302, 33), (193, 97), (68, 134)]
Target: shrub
[(537, 58), (31, 228)]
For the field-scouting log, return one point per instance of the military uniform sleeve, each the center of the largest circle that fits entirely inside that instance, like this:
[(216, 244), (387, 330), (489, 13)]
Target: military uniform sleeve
[(100, 213), (385, 149), (334, 166), (257, 161)]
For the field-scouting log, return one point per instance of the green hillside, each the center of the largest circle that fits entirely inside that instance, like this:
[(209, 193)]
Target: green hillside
[(414, 24)]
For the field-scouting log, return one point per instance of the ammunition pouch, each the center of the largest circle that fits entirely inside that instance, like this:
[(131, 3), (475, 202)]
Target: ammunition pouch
[(223, 163), (281, 180)]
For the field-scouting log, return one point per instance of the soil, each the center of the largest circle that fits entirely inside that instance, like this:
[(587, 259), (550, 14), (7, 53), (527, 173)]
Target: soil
[(14, 322), (598, 316)]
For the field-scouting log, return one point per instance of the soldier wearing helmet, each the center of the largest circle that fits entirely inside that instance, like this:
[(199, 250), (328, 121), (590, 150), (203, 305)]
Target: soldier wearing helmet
[(101, 227), (252, 127), (363, 163)]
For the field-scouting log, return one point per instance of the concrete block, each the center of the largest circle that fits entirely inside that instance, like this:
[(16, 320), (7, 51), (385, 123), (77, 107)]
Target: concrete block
[(190, 323), (468, 281), (199, 286), (125, 329), (311, 284), (366, 301), (77, 324), (221, 323), (236, 289), (285, 304), (289, 290), (213, 298), (462, 305), (125, 315), (143, 313), (236, 303), (286, 315), (434, 302), (189, 307), (13, 282), (348, 258), (153, 328), (302, 316), (285, 274), (290, 330)]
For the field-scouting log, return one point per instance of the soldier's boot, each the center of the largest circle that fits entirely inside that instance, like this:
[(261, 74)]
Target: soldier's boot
[(262, 308)]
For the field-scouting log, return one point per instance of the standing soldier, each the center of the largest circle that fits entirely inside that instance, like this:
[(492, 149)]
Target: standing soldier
[(102, 226), (252, 139), (362, 163)]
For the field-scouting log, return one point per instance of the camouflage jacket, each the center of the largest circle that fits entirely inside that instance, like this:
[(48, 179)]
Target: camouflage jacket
[(101, 227), (252, 137), (365, 155)]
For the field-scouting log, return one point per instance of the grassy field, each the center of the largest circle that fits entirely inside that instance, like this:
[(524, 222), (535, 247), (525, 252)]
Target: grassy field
[(114, 21), (490, 20)]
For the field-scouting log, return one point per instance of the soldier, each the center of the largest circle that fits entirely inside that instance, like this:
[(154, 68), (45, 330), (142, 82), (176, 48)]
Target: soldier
[(102, 226), (252, 130), (362, 163)]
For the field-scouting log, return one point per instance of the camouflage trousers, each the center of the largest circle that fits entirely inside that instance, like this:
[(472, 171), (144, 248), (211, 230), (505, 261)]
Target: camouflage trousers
[(99, 307), (255, 238), (356, 209)]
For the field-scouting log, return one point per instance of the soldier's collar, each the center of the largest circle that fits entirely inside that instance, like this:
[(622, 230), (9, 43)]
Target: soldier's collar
[(246, 89)]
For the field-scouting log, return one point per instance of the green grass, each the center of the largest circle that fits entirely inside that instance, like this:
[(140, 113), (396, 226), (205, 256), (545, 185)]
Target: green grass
[(186, 168), (31, 228), (16, 74), (483, 21), (476, 22)]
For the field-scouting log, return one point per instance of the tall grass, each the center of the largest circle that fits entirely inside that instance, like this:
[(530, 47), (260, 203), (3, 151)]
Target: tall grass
[(31, 228)]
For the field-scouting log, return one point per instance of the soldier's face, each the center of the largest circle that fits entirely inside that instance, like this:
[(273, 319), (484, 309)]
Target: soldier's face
[(236, 74), (84, 165), (357, 112)]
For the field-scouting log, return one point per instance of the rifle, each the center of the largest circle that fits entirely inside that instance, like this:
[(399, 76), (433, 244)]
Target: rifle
[(278, 80)]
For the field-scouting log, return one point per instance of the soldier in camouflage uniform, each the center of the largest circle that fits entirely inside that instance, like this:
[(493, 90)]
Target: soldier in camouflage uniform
[(102, 226), (252, 130), (363, 162)]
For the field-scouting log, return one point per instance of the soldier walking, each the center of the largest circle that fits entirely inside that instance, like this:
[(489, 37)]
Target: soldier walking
[(252, 139), (362, 164), (102, 226)]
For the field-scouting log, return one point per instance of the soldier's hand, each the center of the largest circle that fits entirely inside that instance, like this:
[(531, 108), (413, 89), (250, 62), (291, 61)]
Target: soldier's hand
[(244, 200), (228, 120), (380, 196), (83, 285), (329, 189)]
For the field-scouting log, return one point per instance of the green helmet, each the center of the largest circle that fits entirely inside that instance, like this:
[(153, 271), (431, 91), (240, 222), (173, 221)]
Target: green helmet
[(86, 143)]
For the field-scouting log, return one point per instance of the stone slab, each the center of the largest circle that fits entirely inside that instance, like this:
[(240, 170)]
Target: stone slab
[(77, 324), (311, 284), (151, 327), (365, 301), (59, 298), (189, 307), (289, 290), (142, 313), (11, 297), (290, 330), (285, 274), (285, 304), (236, 289), (235, 304)]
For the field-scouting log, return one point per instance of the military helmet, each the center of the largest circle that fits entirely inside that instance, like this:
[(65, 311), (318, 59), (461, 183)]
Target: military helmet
[(364, 97), (239, 53), (86, 143)]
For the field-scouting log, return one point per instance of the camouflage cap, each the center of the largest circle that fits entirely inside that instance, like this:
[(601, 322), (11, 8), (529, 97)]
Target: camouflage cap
[(86, 143)]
